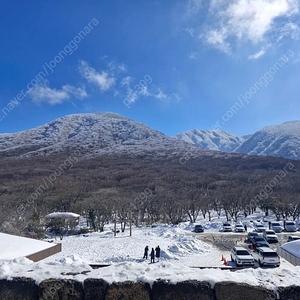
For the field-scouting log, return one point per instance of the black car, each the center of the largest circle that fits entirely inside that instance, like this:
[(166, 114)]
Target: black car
[(259, 241), (198, 228), (292, 238), (251, 236)]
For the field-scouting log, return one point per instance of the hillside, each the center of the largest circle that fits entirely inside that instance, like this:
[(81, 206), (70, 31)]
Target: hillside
[(94, 134), (212, 139), (282, 140)]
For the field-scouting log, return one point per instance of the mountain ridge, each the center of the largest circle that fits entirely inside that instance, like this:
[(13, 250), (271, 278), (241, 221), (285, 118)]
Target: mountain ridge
[(280, 140)]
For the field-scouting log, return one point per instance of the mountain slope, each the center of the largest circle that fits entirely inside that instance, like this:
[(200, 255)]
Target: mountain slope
[(97, 133), (211, 139), (282, 140)]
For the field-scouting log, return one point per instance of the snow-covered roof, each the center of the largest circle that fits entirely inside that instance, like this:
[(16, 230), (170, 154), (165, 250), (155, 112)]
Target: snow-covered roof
[(292, 247), (12, 247), (63, 215)]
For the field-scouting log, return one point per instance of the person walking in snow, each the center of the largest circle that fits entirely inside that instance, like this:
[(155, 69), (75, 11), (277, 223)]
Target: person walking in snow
[(157, 252), (245, 226), (146, 252), (152, 255)]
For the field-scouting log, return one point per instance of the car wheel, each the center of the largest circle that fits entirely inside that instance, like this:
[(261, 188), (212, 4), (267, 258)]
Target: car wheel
[(260, 263)]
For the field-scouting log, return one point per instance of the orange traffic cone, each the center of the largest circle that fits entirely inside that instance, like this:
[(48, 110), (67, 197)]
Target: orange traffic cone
[(227, 264), (222, 258), (241, 238), (251, 247)]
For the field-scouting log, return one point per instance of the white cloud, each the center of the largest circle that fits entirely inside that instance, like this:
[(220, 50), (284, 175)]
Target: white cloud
[(257, 54), (176, 96), (248, 20), (144, 91), (43, 93), (193, 55), (126, 81), (290, 29), (103, 80), (193, 7), (190, 31)]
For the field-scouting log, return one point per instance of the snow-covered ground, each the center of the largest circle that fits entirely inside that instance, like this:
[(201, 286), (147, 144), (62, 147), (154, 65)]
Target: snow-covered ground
[(182, 255)]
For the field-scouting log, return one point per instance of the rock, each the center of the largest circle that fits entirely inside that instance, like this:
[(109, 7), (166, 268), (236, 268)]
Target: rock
[(20, 288), (129, 291), (289, 292), (95, 289), (186, 290), (61, 289), (241, 291)]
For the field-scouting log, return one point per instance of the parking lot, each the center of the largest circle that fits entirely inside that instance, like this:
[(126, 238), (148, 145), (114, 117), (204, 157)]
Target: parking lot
[(225, 241)]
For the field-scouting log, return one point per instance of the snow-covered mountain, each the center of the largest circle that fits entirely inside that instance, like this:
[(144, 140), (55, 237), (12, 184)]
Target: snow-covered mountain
[(212, 139), (96, 134), (282, 140)]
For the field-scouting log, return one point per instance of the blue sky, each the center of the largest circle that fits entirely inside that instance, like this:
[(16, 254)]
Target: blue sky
[(173, 65)]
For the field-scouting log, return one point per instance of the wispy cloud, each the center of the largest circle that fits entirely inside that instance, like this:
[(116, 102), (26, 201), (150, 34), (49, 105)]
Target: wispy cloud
[(255, 21), (126, 81), (193, 7), (190, 31), (132, 95), (193, 55), (102, 79), (257, 55), (43, 93)]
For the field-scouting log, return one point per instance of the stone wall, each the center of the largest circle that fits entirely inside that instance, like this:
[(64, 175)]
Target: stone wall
[(98, 289)]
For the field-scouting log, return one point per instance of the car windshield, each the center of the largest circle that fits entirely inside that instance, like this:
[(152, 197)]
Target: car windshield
[(198, 226), (226, 224), (258, 238), (270, 232), (242, 252), (253, 233), (238, 225), (259, 225), (270, 254), (275, 224), (290, 223)]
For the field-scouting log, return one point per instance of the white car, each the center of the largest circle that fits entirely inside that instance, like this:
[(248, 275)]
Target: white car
[(239, 228), (259, 227), (242, 256), (290, 226), (266, 256), (270, 236), (227, 227), (276, 227)]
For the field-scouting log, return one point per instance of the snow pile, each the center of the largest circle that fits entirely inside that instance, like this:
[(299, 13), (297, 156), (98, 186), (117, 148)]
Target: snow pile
[(183, 257)]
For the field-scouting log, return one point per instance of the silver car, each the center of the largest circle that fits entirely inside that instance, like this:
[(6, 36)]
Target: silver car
[(290, 226), (270, 236)]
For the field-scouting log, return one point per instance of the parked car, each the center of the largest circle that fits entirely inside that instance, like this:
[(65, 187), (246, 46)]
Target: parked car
[(270, 236), (259, 227), (239, 228), (292, 238), (266, 256), (227, 227), (290, 226), (259, 241), (251, 236), (275, 226), (242, 256), (199, 228)]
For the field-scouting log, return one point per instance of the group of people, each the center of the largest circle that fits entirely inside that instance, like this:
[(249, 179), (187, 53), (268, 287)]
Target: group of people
[(153, 253)]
